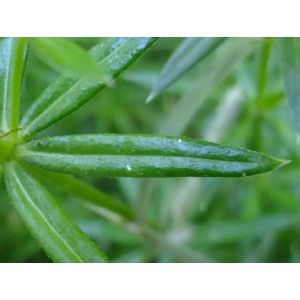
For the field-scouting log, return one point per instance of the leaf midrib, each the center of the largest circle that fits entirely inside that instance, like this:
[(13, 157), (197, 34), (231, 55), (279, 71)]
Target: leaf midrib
[(38, 211), (26, 152)]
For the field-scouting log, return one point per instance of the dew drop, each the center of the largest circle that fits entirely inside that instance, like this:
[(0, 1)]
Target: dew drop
[(179, 140), (128, 168)]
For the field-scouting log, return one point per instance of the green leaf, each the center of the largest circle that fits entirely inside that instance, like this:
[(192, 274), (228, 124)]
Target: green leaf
[(263, 70), (115, 233), (5, 74), (67, 58), (46, 220), (143, 156), (235, 231), (289, 48), (65, 96), (86, 193), (185, 109), (13, 58), (189, 53)]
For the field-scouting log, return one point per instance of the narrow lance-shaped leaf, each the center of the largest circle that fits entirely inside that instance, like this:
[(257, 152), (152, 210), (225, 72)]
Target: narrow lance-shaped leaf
[(5, 71), (67, 58), (289, 48), (190, 52), (9, 84), (46, 220), (143, 156), (65, 96)]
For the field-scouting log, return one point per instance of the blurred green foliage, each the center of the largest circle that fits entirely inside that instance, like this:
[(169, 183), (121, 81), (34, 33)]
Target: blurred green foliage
[(236, 97)]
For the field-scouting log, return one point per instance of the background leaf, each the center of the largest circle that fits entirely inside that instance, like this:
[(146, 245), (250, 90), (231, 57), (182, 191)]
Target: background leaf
[(225, 232), (190, 52), (67, 58), (49, 224), (289, 50), (187, 106)]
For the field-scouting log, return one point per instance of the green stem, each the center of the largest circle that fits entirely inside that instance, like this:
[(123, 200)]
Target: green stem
[(262, 76), (16, 85)]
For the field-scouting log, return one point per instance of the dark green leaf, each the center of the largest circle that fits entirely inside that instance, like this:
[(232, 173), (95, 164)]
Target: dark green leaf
[(46, 220), (67, 58), (143, 156), (189, 53), (65, 96), (289, 48)]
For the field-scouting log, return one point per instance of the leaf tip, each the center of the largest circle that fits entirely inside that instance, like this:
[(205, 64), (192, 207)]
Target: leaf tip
[(282, 162), (150, 97)]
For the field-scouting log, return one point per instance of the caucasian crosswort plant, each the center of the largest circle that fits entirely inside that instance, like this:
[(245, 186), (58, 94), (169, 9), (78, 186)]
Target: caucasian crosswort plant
[(26, 163)]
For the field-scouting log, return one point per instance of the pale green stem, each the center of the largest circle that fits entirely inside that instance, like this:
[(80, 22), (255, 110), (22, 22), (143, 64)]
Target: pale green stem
[(16, 85), (263, 68)]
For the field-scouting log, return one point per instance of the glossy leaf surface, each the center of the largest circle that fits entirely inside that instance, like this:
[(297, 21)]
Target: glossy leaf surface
[(12, 61), (67, 58), (49, 224), (143, 156), (65, 96), (290, 58), (189, 53)]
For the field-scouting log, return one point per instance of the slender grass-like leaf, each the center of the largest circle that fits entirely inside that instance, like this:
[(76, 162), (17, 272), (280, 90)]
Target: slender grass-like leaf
[(116, 233), (264, 60), (186, 108), (290, 58), (65, 96), (234, 231), (5, 73), (190, 52), (60, 237), (85, 192), (67, 58), (12, 60), (143, 156)]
